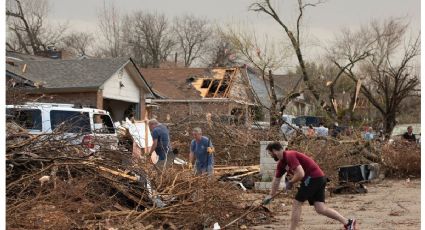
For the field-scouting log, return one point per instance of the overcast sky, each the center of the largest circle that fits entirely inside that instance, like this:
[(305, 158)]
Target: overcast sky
[(320, 24)]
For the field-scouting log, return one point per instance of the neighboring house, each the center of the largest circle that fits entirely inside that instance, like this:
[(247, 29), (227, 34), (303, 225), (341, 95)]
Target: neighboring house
[(300, 105), (284, 84), (186, 91), (113, 84)]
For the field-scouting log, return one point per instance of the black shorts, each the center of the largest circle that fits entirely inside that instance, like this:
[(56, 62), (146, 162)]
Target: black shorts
[(313, 191)]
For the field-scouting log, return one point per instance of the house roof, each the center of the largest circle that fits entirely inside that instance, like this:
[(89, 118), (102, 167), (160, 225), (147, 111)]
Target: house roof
[(174, 82), (288, 82), (56, 74)]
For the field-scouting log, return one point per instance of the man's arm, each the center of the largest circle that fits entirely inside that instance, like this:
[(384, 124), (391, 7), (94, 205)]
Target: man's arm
[(275, 185), (191, 157), (155, 143), (298, 174), (191, 154)]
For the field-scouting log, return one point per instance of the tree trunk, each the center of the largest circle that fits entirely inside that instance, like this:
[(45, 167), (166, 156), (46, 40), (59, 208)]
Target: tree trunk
[(389, 122)]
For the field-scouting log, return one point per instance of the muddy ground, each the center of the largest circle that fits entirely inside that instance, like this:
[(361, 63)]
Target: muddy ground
[(389, 204)]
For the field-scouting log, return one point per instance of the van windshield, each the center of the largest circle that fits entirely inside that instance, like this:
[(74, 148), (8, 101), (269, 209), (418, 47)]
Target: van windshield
[(70, 121), (103, 124), (26, 118)]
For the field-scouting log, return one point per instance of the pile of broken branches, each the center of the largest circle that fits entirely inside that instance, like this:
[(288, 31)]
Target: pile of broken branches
[(234, 144), (397, 159), (52, 185)]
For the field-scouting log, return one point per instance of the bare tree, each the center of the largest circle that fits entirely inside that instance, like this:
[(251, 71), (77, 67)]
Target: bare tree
[(265, 6), (27, 27), (348, 50), (110, 25), (389, 72), (192, 34), (220, 52), (80, 42), (266, 57), (152, 35)]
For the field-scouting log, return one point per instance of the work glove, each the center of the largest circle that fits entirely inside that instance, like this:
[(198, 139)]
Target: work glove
[(210, 150), (267, 200), (288, 185)]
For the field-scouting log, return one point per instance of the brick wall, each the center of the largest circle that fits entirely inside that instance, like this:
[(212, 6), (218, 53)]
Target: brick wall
[(84, 99)]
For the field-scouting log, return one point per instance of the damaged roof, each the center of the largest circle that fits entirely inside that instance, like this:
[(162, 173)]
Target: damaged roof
[(173, 83), (180, 83)]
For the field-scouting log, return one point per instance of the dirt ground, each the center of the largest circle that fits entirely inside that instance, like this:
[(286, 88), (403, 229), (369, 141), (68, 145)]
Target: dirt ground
[(389, 204)]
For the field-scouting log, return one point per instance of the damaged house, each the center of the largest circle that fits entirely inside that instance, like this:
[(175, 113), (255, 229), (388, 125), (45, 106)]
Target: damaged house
[(284, 84), (225, 92), (113, 84)]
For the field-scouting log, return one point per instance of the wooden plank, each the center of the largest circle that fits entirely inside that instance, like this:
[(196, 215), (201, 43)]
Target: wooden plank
[(232, 79), (219, 85), (117, 173), (242, 175), (236, 167)]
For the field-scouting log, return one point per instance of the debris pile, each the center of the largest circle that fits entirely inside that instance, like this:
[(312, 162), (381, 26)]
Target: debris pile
[(234, 144), (396, 159), (402, 159), (51, 185)]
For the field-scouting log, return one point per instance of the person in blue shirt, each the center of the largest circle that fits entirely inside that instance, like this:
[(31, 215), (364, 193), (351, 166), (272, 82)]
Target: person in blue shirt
[(161, 143), (322, 131), (369, 135), (201, 151)]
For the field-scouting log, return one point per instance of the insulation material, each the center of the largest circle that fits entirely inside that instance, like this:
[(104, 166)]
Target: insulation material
[(138, 132), (217, 86)]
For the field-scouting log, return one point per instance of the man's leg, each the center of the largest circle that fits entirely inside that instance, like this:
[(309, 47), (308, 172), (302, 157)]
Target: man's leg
[(321, 208), (296, 214)]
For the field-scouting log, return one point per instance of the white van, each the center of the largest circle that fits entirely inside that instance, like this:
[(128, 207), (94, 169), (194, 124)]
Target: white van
[(92, 128)]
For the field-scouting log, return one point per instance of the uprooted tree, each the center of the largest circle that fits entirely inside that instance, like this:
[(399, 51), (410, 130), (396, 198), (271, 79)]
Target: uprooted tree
[(388, 67)]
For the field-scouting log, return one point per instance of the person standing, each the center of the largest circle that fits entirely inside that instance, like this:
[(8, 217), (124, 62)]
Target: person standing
[(312, 179), (369, 135), (161, 144), (202, 152)]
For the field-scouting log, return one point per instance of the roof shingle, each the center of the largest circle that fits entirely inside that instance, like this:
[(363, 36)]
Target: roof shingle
[(85, 73)]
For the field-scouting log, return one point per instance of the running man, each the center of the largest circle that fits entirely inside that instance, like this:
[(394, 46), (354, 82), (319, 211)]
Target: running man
[(313, 182)]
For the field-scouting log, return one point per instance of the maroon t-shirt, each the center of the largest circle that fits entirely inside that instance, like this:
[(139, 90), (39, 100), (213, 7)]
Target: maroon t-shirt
[(291, 160)]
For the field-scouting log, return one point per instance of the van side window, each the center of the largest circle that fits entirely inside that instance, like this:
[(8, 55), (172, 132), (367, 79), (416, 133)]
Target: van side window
[(29, 118), (103, 124), (70, 121)]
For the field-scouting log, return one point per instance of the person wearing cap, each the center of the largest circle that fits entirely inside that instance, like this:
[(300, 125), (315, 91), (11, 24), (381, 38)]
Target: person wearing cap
[(312, 184)]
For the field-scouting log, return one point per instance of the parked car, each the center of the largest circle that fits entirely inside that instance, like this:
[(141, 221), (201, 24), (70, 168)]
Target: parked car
[(305, 121), (89, 127)]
